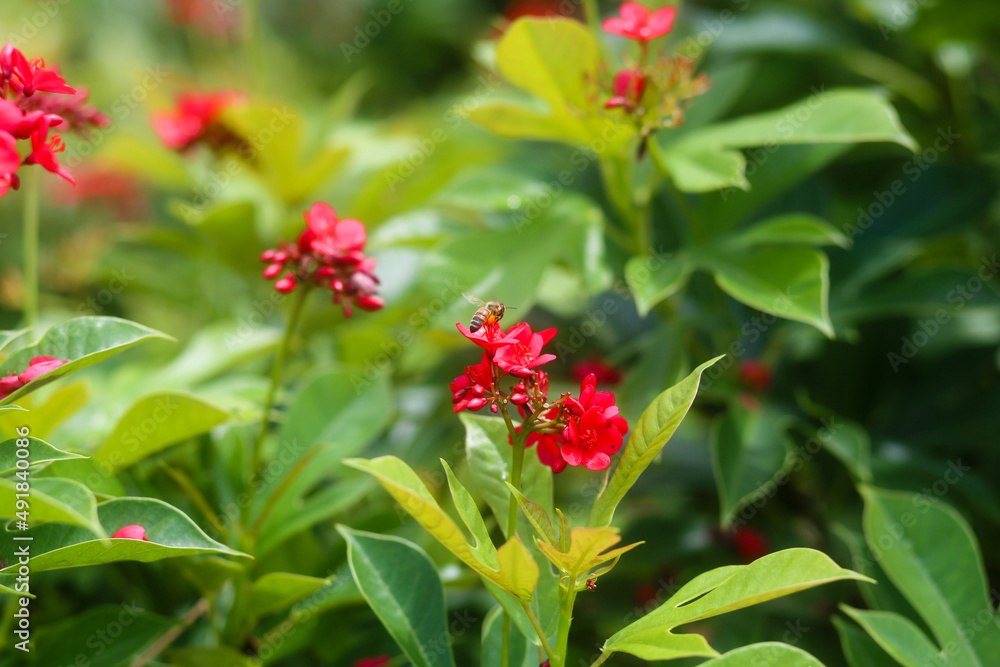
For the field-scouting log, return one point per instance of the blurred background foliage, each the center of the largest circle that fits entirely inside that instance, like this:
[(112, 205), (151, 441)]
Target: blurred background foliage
[(376, 124)]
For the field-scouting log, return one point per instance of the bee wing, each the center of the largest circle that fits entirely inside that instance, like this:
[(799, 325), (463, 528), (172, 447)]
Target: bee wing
[(473, 299)]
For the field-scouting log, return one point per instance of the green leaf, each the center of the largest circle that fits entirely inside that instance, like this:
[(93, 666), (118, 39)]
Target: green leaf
[(39, 452), (792, 229), (791, 282), (468, 511), (279, 590), (404, 590), (170, 533), (409, 491), (898, 636), (651, 284), (749, 449), (303, 513), (930, 554), (155, 422), (649, 435), (537, 515), (710, 158), (490, 461), (52, 499), (340, 410), (108, 635), (556, 60), (860, 649), (720, 591), (84, 341), (587, 550), (210, 656), (522, 652), (772, 654), (518, 570)]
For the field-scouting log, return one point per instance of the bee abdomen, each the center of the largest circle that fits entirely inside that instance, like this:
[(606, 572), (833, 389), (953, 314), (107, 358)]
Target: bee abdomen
[(477, 322)]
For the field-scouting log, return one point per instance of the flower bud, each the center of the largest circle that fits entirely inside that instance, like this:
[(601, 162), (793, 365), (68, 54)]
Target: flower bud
[(519, 399), (272, 270), (476, 403), (286, 284)]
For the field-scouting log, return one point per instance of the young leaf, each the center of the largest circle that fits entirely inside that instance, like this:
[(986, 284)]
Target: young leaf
[(723, 590), (84, 341), (155, 422), (404, 590), (587, 550), (652, 284), (518, 570), (537, 515), (649, 435), (792, 229)]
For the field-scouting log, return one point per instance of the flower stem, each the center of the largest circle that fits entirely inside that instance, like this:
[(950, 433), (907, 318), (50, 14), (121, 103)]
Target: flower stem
[(549, 653), (279, 362), (600, 660), (565, 619), (593, 15), (32, 186)]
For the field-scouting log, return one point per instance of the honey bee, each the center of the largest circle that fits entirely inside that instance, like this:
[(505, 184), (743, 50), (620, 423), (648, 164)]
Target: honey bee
[(490, 312)]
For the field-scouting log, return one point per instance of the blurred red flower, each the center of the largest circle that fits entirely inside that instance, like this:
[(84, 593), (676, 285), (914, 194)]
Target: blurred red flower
[(636, 22), (376, 661), (604, 372), (194, 116), (750, 544), (755, 375)]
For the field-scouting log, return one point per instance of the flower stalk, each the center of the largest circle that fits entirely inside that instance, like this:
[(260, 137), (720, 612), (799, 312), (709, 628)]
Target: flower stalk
[(32, 187)]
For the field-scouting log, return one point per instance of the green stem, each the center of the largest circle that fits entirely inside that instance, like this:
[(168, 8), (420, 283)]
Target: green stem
[(600, 661), (565, 619), (593, 14), (549, 653), (265, 420), (32, 187)]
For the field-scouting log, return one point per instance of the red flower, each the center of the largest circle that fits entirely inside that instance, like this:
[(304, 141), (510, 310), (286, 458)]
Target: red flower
[(377, 661), (630, 84), (597, 433), (604, 372), (328, 235), (195, 114), (520, 357), (28, 77), (750, 544), (549, 452), (37, 367), (133, 532), (636, 22), (491, 337), (329, 253), (44, 149), (469, 389), (755, 375)]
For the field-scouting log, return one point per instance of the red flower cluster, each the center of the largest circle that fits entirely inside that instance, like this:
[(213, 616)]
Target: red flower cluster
[(36, 368), (196, 118), (572, 431), (133, 532), (32, 102), (636, 22), (755, 375), (329, 253)]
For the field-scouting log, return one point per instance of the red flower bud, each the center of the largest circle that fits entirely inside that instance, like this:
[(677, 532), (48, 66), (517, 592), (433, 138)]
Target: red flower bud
[(476, 403), (272, 270), (519, 399), (370, 302), (133, 532)]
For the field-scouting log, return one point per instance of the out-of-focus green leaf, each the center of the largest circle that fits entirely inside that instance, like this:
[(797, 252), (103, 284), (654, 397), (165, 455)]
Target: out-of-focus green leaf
[(83, 341), (766, 653), (170, 533), (87, 637), (278, 590), (155, 422), (39, 452), (51, 499), (522, 652)]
